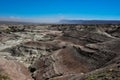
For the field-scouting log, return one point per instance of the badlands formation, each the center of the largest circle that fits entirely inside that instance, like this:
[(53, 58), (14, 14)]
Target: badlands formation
[(59, 52)]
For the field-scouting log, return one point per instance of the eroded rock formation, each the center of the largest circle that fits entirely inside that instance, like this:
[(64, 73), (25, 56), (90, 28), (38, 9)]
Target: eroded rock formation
[(61, 52)]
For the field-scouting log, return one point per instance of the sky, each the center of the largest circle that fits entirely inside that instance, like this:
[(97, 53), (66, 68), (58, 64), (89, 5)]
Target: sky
[(55, 10)]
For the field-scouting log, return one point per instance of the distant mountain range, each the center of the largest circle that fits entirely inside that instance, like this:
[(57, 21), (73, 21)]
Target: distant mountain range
[(67, 22), (90, 22)]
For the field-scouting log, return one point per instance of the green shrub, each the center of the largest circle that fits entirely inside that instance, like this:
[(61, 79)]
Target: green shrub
[(4, 77)]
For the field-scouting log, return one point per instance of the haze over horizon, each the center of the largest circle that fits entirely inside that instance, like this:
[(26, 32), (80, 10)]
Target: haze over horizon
[(55, 10)]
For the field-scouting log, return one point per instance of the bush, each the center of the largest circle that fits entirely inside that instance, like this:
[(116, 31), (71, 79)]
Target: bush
[(4, 77)]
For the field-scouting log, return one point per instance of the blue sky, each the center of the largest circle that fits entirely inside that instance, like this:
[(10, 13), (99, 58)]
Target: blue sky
[(53, 10)]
